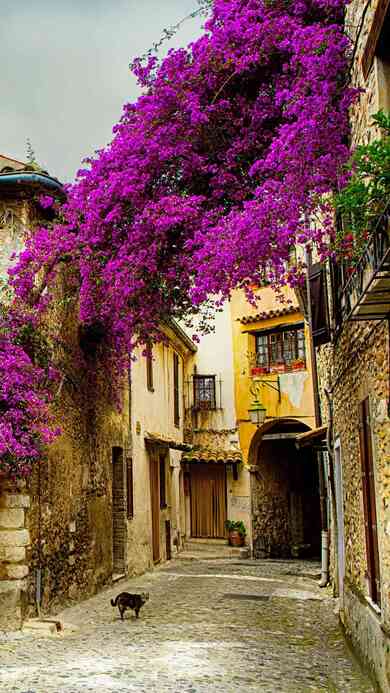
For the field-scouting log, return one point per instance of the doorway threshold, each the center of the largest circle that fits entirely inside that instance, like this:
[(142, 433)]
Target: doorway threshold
[(118, 576)]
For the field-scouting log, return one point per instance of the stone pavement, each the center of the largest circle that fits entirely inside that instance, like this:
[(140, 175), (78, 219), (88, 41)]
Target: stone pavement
[(210, 626)]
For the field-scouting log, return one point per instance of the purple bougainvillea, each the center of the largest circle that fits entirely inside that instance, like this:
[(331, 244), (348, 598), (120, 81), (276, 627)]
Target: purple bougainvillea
[(211, 175)]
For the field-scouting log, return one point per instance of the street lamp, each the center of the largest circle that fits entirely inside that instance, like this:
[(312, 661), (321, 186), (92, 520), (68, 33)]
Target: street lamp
[(257, 412)]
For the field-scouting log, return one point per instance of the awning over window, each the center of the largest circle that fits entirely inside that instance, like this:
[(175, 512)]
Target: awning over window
[(161, 441), (313, 437), (200, 455)]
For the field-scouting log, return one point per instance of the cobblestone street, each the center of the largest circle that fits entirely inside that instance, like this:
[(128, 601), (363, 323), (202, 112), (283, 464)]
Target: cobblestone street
[(210, 625)]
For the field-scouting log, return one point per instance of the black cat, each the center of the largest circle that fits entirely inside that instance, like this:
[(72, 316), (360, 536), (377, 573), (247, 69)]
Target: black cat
[(125, 600)]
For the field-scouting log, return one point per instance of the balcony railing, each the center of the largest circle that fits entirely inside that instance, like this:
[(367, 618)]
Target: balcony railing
[(366, 293)]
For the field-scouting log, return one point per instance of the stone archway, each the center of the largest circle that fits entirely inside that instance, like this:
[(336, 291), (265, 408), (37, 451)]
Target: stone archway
[(284, 493)]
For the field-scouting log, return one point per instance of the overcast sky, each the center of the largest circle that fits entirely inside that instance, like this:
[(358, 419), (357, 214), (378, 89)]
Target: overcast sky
[(64, 71)]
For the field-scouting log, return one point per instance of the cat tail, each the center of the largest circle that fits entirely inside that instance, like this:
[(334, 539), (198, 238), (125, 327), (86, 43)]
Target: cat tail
[(113, 603)]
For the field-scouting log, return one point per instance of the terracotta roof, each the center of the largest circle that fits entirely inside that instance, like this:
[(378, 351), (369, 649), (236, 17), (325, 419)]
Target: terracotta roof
[(267, 314), (4, 158), (201, 454)]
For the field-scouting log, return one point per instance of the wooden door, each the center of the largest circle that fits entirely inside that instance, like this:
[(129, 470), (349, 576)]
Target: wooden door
[(155, 506), (118, 511), (208, 501)]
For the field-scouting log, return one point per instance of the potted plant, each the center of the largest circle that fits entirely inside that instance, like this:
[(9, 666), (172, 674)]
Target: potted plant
[(237, 532), (278, 367), (259, 370), (298, 365)]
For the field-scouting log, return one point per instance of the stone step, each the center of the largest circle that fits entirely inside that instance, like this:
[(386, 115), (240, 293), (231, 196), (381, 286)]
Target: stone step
[(42, 627), (210, 550)]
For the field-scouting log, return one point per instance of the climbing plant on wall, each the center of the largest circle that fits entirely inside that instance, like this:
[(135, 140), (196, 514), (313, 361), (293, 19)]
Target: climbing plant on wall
[(365, 197)]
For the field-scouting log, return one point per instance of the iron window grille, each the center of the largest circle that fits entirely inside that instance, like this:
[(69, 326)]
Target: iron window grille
[(204, 392)]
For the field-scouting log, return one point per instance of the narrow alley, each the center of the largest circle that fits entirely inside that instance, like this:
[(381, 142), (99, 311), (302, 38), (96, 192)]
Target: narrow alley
[(210, 625)]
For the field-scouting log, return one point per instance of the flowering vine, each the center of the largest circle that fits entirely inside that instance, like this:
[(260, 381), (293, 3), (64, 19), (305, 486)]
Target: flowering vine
[(210, 177)]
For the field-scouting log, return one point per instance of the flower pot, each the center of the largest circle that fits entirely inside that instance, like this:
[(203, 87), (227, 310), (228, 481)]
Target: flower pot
[(259, 370), (278, 368), (236, 539)]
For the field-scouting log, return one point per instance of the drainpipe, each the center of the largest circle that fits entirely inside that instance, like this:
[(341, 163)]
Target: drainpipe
[(38, 571), (329, 443), (317, 411), (324, 523)]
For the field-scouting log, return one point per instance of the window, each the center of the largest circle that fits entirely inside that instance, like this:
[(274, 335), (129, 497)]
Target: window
[(163, 483), (176, 393), (369, 503), (282, 349), (130, 490), (376, 40), (383, 63), (149, 370), (204, 392), (319, 304)]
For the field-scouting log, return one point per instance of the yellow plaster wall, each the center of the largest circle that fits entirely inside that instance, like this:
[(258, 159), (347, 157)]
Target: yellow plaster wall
[(153, 413), (297, 399)]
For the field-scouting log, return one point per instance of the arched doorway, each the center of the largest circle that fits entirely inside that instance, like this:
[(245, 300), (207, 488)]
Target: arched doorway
[(286, 520)]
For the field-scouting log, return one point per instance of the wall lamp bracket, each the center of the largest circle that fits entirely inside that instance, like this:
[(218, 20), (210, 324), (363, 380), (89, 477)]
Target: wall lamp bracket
[(259, 382)]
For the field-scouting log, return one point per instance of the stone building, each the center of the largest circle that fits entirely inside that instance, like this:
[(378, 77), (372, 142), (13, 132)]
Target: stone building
[(106, 500), (353, 315)]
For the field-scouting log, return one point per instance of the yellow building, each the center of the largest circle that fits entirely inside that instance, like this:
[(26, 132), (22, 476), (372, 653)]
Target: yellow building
[(272, 364), (156, 528)]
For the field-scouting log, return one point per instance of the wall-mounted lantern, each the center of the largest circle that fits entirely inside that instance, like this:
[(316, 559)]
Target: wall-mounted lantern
[(257, 412)]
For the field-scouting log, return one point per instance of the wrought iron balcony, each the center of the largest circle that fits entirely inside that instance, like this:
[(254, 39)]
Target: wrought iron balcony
[(366, 293)]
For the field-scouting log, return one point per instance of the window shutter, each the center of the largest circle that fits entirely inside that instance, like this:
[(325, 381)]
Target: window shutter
[(149, 372), (369, 502), (319, 304), (373, 37)]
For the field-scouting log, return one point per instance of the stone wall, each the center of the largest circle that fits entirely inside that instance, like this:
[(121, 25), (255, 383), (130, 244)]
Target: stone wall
[(71, 515), (66, 537), (354, 367), (285, 502), (14, 546)]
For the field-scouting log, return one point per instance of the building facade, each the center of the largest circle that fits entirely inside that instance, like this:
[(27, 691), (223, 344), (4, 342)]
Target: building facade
[(354, 380), (272, 365), (215, 480), (105, 501)]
